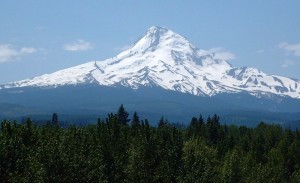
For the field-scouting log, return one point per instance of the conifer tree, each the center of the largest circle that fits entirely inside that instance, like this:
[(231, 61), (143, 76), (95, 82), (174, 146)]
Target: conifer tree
[(54, 119), (193, 128), (135, 120), (161, 122), (201, 126), (214, 129), (123, 115)]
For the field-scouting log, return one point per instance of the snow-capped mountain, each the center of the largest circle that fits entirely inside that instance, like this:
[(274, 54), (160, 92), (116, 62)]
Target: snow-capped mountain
[(168, 60)]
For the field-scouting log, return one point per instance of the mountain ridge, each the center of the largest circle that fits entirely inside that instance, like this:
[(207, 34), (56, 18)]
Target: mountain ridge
[(168, 60)]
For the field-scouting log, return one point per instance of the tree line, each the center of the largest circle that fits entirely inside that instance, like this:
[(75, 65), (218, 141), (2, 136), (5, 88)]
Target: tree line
[(119, 149)]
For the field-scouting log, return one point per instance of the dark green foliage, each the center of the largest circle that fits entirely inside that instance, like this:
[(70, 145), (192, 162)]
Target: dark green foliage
[(111, 151), (231, 170), (54, 119), (123, 116), (215, 132), (135, 120), (199, 162)]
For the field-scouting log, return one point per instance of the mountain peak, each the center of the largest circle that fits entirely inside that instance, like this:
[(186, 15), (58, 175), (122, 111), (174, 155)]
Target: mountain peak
[(163, 38), (157, 29), (166, 59)]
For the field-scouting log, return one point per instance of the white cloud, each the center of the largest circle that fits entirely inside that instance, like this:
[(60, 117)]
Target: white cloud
[(220, 53), (293, 49), (28, 50), (79, 45), (123, 48), (8, 53), (287, 63), (259, 51)]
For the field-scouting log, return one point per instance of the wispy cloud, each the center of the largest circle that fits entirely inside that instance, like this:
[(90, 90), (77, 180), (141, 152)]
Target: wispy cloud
[(259, 51), (28, 50), (9, 53), (293, 49), (287, 63), (220, 53), (79, 45), (123, 48)]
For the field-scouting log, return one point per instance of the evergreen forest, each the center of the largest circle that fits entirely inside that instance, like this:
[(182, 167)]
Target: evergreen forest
[(123, 148)]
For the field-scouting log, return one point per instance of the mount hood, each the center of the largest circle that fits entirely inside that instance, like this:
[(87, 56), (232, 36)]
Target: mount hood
[(168, 60)]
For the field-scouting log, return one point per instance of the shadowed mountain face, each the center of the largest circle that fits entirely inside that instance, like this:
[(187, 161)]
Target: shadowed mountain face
[(87, 102), (161, 74)]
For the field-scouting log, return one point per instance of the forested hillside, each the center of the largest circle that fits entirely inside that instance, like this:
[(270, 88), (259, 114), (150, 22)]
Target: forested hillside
[(119, 149)]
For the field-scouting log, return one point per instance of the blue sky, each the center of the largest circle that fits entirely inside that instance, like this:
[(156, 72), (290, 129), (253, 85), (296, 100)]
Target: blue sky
[(39, 36)]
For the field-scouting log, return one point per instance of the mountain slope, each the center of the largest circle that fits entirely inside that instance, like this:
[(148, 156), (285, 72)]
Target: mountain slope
[(165, 59)]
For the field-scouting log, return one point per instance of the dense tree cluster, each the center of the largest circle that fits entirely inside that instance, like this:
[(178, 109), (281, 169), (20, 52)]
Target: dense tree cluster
[(121, 150)]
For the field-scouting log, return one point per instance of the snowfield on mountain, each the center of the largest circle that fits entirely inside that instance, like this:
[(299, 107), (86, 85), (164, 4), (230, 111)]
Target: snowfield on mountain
[(168, 60)]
